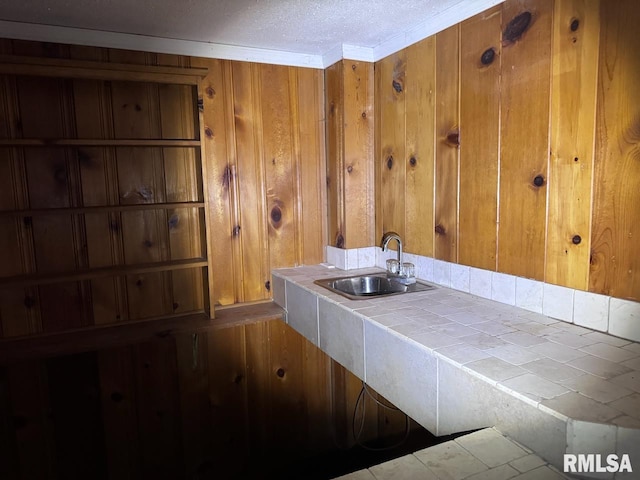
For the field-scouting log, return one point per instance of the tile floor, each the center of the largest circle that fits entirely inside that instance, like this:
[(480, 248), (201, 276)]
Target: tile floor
[(482, 455)]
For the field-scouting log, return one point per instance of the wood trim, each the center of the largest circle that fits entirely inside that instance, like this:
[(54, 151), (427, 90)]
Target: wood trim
[(92, 273), (133, 332), (78, 69), (99, 209), (91, 142)]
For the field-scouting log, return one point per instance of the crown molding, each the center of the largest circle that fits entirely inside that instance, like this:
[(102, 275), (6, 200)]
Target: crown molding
[(98, 38)]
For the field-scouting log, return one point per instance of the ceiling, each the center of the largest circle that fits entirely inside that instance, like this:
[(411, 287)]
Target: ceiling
[(313, 33)]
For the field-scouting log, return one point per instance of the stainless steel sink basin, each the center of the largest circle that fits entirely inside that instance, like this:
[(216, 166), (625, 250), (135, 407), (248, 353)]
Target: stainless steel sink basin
[(360, 287)]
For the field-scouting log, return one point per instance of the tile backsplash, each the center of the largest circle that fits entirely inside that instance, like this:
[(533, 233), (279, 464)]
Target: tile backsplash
[(616, 316)]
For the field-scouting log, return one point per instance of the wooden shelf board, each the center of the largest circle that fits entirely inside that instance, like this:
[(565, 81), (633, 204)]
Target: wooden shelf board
[(89, 274), (127, 333), (98, 142), (99, 209)]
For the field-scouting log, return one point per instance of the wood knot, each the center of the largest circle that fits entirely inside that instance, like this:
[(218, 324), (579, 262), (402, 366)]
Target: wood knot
[(339, 240), (138, 283), (83, 158), (390, 162), (117, 397), (516, 27), (227, 176), (208, 132), (577, 239), (453, 138), (349, 168), (440, 230), (173, 221), (138, 108), (364, 114), (574, 25), (576, 159), (397, 86), (210, 92), (353, 66), (413, 161), (236, 231), (60, 174), (280, 372), (488, 56), (276, 214), (538, 181), (29, 302), (267, 285)]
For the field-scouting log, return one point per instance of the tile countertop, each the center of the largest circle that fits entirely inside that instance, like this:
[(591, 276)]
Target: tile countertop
[(456, 362)]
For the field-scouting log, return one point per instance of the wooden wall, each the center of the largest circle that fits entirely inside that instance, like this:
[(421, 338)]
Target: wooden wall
[(264, 147), (350, 133), (251, 401), (261, 135), (509, 142)]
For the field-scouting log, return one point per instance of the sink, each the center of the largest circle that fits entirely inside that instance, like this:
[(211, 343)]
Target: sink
[(360, 287)]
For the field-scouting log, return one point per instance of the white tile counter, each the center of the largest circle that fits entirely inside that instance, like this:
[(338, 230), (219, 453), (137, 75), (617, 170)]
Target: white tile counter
[(456, 362)]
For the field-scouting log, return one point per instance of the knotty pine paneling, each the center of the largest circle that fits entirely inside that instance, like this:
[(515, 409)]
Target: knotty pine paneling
[(531, 196), (390, 162), (480, 70), (447, 143), (264, 153), (216, 403), (615, 249), (350, 169), (420, 147)]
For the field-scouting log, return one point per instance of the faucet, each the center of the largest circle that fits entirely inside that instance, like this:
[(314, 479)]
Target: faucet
[(401, 276), (386, 238)]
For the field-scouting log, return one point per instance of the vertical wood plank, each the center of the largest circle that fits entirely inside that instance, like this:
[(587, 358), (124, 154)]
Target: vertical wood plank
[(9, 464), (29, 397), (77, 420), (447, 143), (480, 54), (277, 158), (575, 71), (616, 200), (228, 382), (250, 231), (524, 141), (158, 408), (312, 166), (392, 84), (195, 410), (119, 414), (334, 113), (358, 155), (420, 147), (259, 371), (218, 181)]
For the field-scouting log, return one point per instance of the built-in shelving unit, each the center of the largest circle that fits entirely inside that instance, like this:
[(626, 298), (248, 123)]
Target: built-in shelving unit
[(102, 210)]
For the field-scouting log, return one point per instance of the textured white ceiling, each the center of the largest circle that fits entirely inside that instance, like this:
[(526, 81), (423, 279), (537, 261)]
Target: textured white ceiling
[(301, 27)]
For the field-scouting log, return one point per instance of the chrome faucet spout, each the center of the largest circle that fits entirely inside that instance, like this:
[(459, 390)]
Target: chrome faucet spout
[(384, 244)]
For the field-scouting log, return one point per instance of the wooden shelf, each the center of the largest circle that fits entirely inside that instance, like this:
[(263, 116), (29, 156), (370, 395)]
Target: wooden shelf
[(29, 280), (89, 142), (132, 332), (79, 69), (99, 209)]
